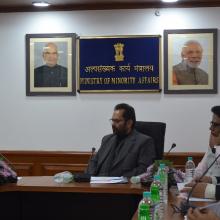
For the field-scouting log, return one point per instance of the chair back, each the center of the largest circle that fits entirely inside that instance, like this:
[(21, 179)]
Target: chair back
[(156, 130)]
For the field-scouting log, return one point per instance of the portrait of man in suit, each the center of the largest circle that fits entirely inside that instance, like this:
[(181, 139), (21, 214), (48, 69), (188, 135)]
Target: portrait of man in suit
[(51, 74), (50, 64), (188, 72), (190, 61), (125, 152)]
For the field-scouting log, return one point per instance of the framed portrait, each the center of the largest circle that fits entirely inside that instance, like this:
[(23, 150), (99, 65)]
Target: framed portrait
[(190, 61), (50, 64)]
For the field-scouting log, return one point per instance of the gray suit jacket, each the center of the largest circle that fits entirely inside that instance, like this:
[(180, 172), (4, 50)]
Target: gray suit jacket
[(136, 154)]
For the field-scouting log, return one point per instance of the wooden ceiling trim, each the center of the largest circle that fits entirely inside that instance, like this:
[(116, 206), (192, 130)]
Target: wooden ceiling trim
[(109, 6)]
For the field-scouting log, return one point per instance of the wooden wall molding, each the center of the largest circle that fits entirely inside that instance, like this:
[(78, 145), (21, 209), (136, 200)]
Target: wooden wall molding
[(25, 169), (49, 169), (179, 158), (48, 163)]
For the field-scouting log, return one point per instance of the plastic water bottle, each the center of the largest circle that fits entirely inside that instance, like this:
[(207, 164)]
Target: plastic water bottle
[(145, 208), (164, 181), (155, 189), (189, 170), (156, 195), (63, 177)]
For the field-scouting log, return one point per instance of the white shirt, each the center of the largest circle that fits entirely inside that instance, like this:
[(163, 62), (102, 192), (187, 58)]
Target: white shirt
[(206, 161)]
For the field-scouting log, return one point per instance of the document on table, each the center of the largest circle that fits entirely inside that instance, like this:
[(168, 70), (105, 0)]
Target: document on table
[(111, 179), (194, 199)]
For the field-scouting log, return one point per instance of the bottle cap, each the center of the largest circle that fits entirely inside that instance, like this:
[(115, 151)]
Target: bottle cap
[(162, 165), (157, 177), (146, 194), (189, 158)]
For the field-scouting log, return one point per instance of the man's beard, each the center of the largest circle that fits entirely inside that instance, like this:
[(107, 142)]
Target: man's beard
[(190, 64), (119, 133)]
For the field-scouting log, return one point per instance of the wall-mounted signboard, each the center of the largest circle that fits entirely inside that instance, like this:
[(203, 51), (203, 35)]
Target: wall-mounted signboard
[(119, 64)]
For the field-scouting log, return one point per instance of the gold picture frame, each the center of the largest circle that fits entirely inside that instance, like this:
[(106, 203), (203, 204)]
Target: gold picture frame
[(190, 74), (50, 64)]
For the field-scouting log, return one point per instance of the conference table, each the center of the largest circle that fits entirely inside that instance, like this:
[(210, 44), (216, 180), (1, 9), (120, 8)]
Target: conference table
[(39, 197)]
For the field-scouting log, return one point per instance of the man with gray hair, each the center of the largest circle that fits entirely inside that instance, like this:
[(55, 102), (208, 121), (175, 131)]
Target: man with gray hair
[(51, 74), (188, 72)]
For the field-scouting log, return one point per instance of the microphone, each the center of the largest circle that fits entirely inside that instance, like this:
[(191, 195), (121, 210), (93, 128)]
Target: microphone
[(184, 206), (84, 177), (67, 177), (92, 153), (171, 148), (214, 149), (90, 161)]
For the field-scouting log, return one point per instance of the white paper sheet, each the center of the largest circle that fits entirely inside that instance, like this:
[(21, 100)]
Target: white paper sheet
[(111, 179)]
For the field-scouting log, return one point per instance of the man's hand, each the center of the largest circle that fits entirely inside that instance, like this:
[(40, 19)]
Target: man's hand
[(204, 214), (205, 179), (199, 190)]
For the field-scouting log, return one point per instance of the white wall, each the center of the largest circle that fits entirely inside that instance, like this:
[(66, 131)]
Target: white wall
[(78, 123)]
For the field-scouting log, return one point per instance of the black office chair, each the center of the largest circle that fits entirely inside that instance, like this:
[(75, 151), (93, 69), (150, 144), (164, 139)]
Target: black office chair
[(156, 130)]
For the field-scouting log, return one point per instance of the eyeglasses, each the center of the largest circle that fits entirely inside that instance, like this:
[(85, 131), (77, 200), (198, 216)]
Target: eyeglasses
[(214, 124), (117, 121)]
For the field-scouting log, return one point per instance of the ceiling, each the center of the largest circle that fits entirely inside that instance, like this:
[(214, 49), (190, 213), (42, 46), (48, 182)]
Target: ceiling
[(56, 5)]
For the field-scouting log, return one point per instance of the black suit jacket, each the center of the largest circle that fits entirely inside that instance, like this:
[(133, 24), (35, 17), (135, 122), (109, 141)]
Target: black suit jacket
[(45, 76), (136, 154), (217, 191)]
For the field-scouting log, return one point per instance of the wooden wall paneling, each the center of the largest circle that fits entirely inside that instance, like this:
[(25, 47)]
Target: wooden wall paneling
[(43, 163), (49, 169), (179, 158), (24, 169)]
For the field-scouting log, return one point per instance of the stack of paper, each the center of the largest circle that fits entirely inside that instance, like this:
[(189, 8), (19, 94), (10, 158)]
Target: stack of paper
[(105, 179)]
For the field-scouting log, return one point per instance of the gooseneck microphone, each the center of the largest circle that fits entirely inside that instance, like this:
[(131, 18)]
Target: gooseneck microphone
[(171, 148), (84, 177), (184, 206)]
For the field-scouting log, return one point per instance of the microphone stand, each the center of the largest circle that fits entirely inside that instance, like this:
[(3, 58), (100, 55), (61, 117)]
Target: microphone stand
[(91, 157), (184, 206), (84, 177), (92, 154)]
